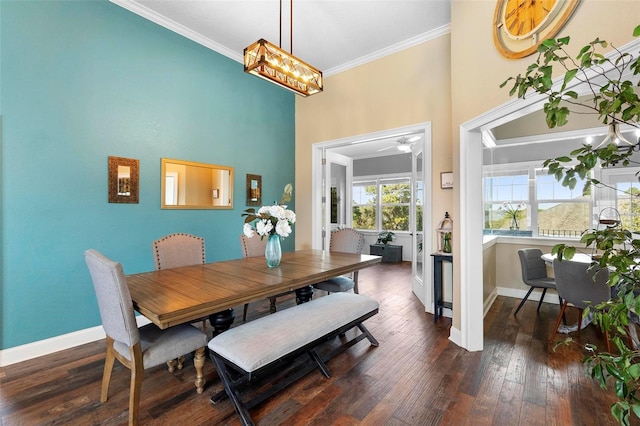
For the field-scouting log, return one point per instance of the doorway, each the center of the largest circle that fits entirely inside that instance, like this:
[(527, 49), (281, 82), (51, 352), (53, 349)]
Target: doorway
[(470, 333), (328, 157)]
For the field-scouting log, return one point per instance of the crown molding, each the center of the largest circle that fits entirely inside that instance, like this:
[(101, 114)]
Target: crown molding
[(177, 28), (394, 48)]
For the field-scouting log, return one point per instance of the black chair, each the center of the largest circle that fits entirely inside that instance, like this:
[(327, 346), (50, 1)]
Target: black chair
[(534, 274)]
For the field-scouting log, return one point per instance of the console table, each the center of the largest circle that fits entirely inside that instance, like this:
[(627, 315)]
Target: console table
[(438, 302), (389, 253)]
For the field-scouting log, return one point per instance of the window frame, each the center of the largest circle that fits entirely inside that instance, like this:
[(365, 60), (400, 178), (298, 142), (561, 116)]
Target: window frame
[(532, 169), (378, 181)]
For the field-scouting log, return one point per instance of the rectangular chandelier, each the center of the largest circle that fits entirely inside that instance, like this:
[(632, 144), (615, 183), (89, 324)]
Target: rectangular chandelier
[(268, 61)]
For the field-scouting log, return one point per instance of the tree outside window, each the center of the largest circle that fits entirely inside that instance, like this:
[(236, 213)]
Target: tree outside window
[(382, 204)]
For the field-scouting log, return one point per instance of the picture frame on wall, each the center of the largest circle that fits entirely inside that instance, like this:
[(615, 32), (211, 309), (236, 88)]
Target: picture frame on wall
[(446, 180), (123, 180), (254, 190)]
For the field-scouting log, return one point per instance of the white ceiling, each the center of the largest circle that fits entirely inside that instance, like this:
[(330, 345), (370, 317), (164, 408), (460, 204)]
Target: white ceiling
[(331, 35)]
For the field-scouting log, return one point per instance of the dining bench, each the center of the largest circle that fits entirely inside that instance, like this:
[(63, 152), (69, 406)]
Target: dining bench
[(273, 351)]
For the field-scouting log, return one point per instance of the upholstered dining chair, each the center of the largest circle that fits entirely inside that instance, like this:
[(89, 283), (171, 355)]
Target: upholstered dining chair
[(254, 247), (136, 348), (534, 274), (175, 250), (581, 285), (345, 240)]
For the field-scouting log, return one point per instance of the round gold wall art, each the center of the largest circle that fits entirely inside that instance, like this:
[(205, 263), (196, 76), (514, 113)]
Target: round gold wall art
[(519, 26)]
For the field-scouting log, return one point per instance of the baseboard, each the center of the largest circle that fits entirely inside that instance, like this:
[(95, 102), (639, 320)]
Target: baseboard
[(489, 301), (55, 344), (550, 297), (455, 336)]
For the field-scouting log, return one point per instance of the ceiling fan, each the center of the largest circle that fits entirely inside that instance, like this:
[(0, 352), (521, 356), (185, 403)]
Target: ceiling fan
[(403, 144)]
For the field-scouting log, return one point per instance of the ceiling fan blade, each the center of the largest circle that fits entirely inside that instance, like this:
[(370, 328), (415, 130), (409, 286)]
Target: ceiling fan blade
[(384, 149)]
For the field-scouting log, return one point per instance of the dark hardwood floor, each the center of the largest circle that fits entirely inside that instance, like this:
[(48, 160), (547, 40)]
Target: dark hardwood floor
[(415, 377)]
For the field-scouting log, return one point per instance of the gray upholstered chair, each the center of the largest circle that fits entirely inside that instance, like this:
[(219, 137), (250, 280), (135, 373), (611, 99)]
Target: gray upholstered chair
[(345, 240), (254, 247), (136, 348), (534, 274), (581, 285)]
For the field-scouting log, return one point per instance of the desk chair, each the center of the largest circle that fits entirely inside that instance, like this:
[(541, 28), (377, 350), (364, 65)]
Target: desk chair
[(136, 348), (579, 284), (255, 247), (534, 274), (345, 240)]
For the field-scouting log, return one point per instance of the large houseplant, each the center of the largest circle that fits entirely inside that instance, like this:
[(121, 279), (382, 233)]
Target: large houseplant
[(614, 99)]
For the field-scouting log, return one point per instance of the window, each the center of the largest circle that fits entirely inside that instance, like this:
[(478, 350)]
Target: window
[(504, 191), (365, 201), (561, 212), (622, 191), (526, 201), (382, 204)]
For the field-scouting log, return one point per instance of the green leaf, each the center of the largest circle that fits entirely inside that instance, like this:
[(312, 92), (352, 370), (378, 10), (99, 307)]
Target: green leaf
[(636, 31)]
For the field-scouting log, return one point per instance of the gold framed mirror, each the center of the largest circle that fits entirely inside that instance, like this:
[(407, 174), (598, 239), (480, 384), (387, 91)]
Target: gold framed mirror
[(254, 190), (123, 180), (192, 185)]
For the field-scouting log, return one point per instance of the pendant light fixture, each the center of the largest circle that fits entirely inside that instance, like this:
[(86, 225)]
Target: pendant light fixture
[(271, 62)]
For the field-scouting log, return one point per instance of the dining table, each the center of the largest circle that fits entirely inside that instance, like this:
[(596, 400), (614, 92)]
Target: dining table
[(186, 294)]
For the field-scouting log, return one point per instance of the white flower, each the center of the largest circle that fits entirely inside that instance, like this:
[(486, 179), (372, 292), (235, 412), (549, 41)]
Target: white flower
[(263, 227), (290, 216), (283, 228), (248, 230), (263, 210), (276, 211)]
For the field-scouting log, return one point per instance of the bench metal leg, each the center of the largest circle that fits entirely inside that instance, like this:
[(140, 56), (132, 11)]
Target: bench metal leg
[(241, 410), (366, 332), (321, 365)]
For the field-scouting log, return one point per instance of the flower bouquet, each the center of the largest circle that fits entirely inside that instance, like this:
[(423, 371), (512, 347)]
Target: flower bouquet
[(274, 222)]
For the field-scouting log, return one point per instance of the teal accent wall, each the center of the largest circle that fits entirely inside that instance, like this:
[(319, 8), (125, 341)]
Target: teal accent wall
[(83, 80)]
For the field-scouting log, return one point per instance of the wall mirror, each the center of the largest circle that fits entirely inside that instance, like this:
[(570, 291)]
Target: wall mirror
[(191, 185), (123, 180), (254, 190)]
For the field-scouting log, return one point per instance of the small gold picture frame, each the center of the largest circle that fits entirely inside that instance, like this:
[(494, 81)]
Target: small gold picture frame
[(124, 180)]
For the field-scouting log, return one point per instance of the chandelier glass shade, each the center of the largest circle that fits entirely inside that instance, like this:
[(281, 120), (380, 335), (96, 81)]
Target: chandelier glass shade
[(268, 61), (614, 136)]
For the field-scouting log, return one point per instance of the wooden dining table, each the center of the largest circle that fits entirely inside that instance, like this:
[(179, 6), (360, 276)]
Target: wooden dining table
[(181, 295)]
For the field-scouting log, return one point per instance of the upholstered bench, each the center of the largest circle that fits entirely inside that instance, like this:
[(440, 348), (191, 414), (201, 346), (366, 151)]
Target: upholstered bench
[(272, 343)]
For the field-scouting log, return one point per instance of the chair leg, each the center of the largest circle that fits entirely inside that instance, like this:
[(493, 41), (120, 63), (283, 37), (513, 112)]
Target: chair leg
[(564, 317), (544, 291), (355, 282), (560, 316), (137, 373), (198, 363), (108, 367), (579, 321), (523, 300)]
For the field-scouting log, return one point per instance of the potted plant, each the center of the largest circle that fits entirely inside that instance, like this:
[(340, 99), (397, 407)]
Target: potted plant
[(385, 237), (616, 102)]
